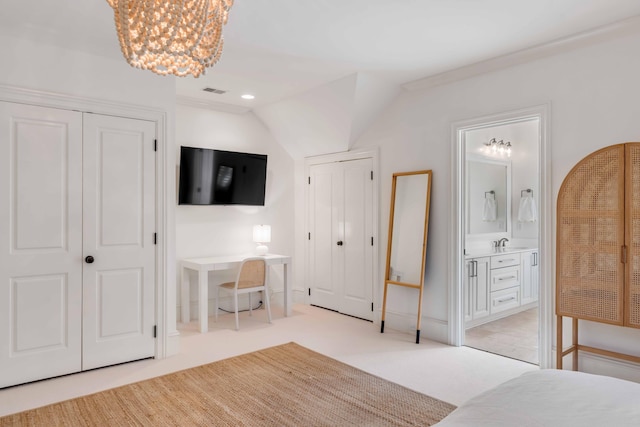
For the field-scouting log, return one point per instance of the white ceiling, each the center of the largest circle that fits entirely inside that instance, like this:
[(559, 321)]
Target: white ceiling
[(279, 48)]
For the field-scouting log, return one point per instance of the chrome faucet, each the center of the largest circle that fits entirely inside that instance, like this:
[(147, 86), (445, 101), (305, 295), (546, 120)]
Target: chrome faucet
[(502, 241)]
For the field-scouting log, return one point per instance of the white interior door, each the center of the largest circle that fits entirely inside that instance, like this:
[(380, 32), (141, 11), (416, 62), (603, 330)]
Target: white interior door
[(325, 213), (341, 232), (119, 226), (357, 288), (40, 242)]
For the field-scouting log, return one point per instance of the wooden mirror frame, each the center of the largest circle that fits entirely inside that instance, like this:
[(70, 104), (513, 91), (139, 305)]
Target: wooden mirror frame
[(387, 277)]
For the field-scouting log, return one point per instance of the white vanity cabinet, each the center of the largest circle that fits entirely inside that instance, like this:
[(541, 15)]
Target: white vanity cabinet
[(530, 276), (505, 282), (499, 285), (476, 298)]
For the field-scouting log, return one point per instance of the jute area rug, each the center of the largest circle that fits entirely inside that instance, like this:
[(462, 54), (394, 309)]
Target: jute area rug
[(286, 385)]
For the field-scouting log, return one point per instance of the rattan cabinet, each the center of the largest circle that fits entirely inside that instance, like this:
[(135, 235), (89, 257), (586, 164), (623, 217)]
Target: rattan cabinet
[(598, 245)]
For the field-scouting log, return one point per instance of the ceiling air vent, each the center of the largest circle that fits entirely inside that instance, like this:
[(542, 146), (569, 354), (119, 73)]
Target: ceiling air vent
[(216, 91)]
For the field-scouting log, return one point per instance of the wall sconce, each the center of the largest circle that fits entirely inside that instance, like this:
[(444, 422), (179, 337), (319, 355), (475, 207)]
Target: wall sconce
[(261, 235), (498, 147)]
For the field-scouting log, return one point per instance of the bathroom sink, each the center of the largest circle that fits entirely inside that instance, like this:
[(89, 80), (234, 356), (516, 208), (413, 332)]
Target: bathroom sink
[(510, 248)]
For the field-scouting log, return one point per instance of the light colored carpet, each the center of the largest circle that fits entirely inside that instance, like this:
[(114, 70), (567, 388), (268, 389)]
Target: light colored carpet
[(286, 385), (514, 336)]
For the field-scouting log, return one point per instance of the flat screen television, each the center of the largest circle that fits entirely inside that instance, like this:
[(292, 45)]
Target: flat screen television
[(215, 177)]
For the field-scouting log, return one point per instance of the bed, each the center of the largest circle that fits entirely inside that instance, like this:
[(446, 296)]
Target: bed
[(552, 398)]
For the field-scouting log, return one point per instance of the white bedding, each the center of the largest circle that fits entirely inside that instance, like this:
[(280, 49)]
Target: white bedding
[(552, 398)]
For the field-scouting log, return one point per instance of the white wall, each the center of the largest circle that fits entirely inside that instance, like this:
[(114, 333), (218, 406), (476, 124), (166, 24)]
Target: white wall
[(50, 68), (593, 92), (224, 230)]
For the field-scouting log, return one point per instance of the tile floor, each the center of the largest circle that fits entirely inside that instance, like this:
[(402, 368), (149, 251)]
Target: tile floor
[(515, 336)]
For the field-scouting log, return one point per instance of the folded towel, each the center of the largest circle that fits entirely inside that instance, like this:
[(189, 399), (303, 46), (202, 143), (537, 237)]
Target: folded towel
[(490, 211), (527, 211)]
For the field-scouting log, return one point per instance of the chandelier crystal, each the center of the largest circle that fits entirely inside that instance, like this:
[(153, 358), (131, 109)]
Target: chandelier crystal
[(179, 37)]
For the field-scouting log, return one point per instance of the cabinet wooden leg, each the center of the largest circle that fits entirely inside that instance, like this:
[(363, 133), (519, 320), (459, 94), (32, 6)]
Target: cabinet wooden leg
[(575, 344), (559, 342)]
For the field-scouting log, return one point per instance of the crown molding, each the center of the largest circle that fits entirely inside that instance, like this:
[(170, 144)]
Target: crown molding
[(586, 38), (188, 101)]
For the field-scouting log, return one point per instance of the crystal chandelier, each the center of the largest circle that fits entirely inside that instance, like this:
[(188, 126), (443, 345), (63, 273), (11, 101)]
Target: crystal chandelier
[(177, 37)]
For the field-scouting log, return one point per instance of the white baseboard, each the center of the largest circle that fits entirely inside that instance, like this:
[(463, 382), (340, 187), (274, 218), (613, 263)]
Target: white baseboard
[(173, 344), (430, 328)]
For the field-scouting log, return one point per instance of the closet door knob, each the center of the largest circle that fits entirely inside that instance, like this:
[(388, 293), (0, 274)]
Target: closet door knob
[(89, 259), (339, 243)]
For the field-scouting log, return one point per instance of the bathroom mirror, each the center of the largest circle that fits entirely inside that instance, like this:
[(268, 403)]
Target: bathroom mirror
[(408, 226), (488, 196)]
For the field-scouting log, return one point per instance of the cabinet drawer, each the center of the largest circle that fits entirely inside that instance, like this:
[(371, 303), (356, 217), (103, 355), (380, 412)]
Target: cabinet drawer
[(504, 278), (506, 260), (505, 299)]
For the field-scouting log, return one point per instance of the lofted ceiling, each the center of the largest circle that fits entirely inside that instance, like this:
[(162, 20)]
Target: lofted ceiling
[(276, 49)]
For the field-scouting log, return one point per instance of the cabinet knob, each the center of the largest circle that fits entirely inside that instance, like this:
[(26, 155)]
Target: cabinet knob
[(89, 259), (339, 243)]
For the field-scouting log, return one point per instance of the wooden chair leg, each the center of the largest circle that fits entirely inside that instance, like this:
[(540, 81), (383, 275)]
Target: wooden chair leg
[(235, 301)]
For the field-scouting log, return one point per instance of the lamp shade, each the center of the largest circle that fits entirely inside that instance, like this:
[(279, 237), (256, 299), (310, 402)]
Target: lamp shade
[(262, 233)]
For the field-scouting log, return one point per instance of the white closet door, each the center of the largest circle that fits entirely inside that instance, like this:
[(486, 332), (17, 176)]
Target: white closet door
[(119, 226), (325, 264), (40, 242), (357, 290), (341, 227)]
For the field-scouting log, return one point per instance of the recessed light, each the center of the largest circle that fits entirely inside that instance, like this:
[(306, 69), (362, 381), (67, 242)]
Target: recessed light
[(247, 96)]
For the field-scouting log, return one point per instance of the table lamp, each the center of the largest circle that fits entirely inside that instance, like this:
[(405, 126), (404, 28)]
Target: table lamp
[(261, 235)]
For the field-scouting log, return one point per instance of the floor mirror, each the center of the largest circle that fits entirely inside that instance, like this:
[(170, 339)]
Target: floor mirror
[(407, 242)]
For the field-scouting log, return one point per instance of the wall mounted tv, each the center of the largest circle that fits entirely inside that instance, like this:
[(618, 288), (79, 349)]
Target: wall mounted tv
[(215, 177)]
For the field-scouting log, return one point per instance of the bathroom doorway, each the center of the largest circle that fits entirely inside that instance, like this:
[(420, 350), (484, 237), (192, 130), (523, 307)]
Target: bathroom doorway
[(500, 237)]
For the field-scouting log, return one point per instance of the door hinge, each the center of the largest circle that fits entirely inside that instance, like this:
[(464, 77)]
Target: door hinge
[(371, 306), (309, 236), (371, 175), (155, 331), (155, 238), (624, 254), (309, 291), (309, 180), (155, 145), (371, 240)]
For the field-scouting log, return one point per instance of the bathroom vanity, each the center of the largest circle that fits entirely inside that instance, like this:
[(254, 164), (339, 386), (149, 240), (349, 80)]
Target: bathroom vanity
[(499, 282)]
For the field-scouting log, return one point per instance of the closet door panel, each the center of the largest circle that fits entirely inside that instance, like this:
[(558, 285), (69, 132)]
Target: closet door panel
[(40, 243), (119, 226), (341, 227), (590, 272), (325, 217), (358, 231)]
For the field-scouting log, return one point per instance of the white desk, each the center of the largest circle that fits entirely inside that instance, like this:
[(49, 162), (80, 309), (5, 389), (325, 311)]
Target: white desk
[(204, 265)]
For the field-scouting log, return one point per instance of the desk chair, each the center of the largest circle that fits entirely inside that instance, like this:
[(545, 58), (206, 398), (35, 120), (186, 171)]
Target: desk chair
[(252, 277)]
